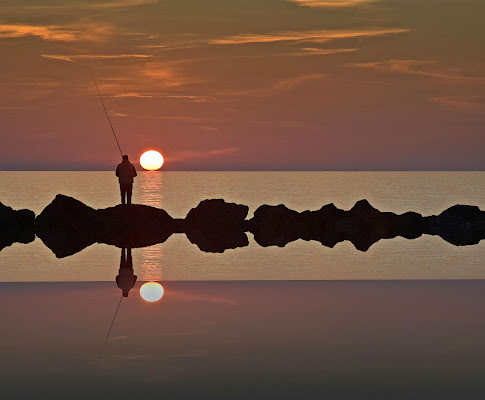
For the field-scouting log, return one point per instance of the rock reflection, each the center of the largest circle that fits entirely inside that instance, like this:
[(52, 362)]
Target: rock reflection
[(126, 278)]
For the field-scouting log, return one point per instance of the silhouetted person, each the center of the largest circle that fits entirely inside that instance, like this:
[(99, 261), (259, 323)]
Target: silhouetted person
[(125, 173), (126, 276)]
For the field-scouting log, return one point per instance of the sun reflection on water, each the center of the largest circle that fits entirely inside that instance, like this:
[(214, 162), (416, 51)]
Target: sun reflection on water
[(151, 188), (151, 195)]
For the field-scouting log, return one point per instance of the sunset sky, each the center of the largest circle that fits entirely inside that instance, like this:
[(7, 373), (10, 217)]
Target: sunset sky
[(244, 85)]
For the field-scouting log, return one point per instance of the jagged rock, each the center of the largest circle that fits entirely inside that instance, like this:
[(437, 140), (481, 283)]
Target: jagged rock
[(67, 226), (215, 225), (460, 225), (275, 225), (15, 226), (363, 225)]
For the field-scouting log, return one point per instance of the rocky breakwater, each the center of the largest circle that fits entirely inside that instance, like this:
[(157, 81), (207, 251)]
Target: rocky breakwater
[(67, 226)]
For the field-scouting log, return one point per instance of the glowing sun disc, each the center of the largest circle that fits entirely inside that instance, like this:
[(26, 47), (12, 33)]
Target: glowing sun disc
[(151, 160), (151, 291)]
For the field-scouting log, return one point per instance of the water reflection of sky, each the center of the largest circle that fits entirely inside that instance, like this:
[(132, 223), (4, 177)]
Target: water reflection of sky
[(235, 340), (151, 187)]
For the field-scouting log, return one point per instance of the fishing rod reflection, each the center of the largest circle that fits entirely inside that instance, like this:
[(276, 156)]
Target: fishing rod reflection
[(126, 279)]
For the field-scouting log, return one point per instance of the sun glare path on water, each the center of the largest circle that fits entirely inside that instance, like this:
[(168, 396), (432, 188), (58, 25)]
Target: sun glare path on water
[(151, 160), (151, 291)]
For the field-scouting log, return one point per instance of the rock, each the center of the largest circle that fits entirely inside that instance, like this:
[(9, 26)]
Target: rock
[(275, 225), (215, 225), (363, 225), (15, 226), (66, 226), (133, 226), (460, 225)]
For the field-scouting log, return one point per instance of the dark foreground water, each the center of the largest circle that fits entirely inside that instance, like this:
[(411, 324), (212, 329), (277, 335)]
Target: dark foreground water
[(241, 340)]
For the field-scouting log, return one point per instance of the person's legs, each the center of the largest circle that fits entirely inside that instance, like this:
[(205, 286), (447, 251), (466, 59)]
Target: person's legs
[(123, 193), (129, 191)]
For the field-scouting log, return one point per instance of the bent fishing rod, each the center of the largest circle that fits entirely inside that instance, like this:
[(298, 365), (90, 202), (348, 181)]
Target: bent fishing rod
[(106, 112)]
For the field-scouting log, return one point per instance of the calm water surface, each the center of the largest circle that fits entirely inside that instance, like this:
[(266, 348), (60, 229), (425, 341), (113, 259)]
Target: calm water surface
[(177, 192), (245, 340)]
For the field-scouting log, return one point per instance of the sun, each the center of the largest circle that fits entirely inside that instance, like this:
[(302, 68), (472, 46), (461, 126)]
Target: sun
[(151, 291), (151, 160)]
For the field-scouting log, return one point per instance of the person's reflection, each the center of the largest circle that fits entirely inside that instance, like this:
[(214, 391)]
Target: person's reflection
[(126, 277)]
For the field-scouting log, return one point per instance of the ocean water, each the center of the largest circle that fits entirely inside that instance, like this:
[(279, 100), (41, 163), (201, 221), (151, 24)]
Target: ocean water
[(245, 340), (428, 257), (399, 321)]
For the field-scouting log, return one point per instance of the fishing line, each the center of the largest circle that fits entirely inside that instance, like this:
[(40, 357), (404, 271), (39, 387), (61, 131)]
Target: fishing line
[(106, 112), (111, 327)]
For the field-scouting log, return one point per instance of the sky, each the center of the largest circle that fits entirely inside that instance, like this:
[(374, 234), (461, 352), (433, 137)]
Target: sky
[(243, 85)]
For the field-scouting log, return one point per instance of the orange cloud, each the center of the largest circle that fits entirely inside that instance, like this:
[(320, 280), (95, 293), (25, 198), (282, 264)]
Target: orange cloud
[(72, 58), (96, 5), (313, 51), (167, 74), (313, 36), (429, 69), (88, 31), (458, 103), (332, 3), (279, 86), (48, 32)]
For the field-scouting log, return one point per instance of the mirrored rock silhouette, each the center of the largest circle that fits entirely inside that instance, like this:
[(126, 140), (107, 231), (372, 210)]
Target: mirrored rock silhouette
[(15, 226), (126, 278), (66, 226)]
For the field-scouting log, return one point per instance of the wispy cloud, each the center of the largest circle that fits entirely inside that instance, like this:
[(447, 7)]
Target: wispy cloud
[(332, 3), (430, 69), (118, 114), (87, 31), (312, 36), (167, 74), (187, 155), (48, 32), (474, 104), (73, 58), (94, 5), (279, 86), (314, 51)]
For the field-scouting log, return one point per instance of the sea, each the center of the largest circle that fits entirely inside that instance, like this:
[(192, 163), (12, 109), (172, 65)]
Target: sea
[(428, 257), (402, 320)]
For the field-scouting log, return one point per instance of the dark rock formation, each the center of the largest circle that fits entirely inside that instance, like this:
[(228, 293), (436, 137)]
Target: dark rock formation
[(67, 226), (15, 226), (215, 225), (363, 225), (460, 225)]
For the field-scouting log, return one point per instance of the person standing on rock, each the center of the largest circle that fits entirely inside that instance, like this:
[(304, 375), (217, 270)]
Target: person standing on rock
[(126, 172)]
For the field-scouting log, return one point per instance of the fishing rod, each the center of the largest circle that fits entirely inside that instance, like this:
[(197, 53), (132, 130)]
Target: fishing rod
[(106, 112), (109, 331)]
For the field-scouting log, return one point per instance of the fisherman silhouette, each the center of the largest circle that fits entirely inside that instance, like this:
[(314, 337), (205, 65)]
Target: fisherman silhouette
[(125, 173), (126, 278)]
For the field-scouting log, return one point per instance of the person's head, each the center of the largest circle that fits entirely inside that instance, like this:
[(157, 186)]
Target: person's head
[(125, 158)]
